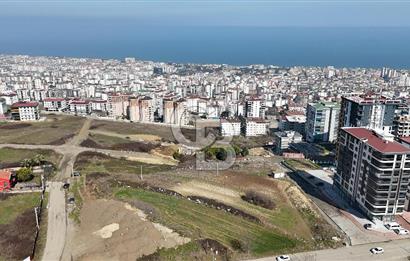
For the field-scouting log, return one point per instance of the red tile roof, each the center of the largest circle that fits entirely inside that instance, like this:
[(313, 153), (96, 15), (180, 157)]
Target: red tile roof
[(405, 139), (24, 104), (5, 174), (52, 99), (377, 142)]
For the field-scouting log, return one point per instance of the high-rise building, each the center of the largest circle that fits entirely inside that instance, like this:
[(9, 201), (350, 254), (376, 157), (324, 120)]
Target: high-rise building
[(401, 125), (176, 112), (373, 171), (255, 108), (118, 104), (370, 111), (322, 121)]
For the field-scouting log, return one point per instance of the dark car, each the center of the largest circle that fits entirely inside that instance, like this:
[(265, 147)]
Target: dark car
[(66, 186)]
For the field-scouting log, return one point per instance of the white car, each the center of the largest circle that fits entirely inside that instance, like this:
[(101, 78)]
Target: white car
[(377, 250), (392, 226), (401, 231), (283, 258)]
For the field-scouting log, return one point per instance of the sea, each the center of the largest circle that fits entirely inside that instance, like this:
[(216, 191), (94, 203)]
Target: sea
[(371, 47)]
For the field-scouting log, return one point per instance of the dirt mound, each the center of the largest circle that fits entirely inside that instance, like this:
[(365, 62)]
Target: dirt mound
[(15, 126), (113, 230), (17, 238), (134, 146), (213, 246), (62, 140), (259, 199), (221, 206), (129, 146), (89, 143)]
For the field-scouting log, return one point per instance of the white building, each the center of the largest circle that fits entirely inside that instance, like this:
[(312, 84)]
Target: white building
[(55, 104), (230, 127), (25, 111), (284, 138), (80, 107), (401, 126), (255, 108), (322, 122), (253, 127)]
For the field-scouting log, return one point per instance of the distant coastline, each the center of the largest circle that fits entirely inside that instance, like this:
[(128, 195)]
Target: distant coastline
[(350, 47)]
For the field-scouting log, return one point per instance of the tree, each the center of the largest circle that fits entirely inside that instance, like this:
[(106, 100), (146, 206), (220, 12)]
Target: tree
[(245, 152), (237, 150), (221, 154), (39, 159), (24, 174), (26, 163)]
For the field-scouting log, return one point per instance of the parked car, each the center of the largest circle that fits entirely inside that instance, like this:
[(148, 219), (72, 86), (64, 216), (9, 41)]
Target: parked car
[(71, 200), (283, 258), (392, 226), (401, 231), (377, 250), (368, 226)]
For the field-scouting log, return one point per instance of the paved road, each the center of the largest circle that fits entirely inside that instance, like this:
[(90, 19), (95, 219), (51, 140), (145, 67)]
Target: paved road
[(57, 222), (398, 250)]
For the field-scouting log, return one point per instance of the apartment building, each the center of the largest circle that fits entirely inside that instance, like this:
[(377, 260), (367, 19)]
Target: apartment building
[(55, 104), (371, 111), (80, 107), (322, 121), (401, 125), (255, 108), (284, 138), (254, 127), (230, 127), (141, 109), (25, 111), (373, 172)]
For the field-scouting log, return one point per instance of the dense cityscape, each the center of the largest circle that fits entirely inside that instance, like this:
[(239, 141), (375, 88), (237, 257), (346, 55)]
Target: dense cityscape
[(341, 134)]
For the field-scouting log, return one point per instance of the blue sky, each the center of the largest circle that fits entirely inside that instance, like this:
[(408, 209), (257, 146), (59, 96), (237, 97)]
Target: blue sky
[(321, 13)]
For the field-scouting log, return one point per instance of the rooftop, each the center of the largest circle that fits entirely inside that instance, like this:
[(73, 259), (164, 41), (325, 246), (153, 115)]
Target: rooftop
[(5, 174), (376, 142), (405, 140), (24, 104)]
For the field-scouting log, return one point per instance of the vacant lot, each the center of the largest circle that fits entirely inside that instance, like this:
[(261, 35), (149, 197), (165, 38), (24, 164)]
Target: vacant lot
[(199, 221), (88, 162), (55, 130), (113, 230), (301, 164), (17, 225), (14, 157), (204, 206), (125, 128), (100, 141)]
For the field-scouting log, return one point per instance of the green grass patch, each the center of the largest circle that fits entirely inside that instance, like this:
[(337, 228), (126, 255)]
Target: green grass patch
[(14, 205), (181, 253), (75, 190), (108, 141), (301, 164), (54, 130), (96, 163), (10, 155), (198, 221)]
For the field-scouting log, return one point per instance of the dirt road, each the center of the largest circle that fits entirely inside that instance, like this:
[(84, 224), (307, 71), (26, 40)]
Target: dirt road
[(57, 220)]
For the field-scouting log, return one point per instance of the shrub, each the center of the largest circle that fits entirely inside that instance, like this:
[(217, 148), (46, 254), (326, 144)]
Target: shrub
[(24, 174), (258, 199)]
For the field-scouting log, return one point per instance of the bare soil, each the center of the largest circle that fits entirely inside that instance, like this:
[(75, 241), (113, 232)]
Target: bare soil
[(113, 230), (17, 238)]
